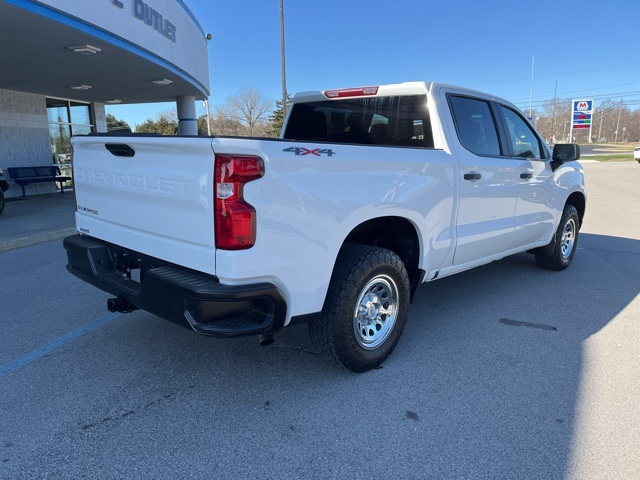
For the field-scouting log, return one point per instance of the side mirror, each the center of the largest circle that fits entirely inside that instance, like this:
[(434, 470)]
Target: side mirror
[(565, 152)]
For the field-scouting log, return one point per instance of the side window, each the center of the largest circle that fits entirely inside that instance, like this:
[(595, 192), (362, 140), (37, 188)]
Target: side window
[(475, 125), (524, 142)]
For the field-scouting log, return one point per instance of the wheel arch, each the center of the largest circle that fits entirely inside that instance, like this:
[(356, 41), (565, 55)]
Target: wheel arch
[(578, 200), (396, 234)]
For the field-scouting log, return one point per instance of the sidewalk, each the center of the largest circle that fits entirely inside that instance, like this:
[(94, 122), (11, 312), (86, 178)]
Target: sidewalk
[(41, 218)]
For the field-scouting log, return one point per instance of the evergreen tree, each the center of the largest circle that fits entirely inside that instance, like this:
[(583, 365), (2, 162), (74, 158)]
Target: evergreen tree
[(116, 125), (277, 118), (164, 124)]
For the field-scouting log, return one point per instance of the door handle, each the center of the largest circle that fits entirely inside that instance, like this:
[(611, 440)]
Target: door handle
[(526, 176), (120, 149), (472, 176)]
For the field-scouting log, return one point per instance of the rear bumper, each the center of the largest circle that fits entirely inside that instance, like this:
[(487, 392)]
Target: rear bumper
[(174, 293)]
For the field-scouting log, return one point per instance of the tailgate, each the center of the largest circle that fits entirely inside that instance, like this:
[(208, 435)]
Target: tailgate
[(149, 194)]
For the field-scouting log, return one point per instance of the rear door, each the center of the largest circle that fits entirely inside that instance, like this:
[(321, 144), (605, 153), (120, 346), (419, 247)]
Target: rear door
[(488, 181)]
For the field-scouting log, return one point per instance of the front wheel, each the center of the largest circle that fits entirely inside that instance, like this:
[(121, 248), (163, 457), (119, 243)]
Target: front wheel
[(1, 202), (566, 242), (365, 310)]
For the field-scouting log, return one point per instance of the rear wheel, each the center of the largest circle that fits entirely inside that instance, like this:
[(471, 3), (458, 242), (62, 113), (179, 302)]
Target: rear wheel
[(566, 242), (365, 310)]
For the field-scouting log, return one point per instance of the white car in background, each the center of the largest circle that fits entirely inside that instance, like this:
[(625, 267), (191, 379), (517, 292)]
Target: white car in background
[(636, 153)]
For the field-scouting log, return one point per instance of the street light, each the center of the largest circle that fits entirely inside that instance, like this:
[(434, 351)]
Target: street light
[(206, 105)]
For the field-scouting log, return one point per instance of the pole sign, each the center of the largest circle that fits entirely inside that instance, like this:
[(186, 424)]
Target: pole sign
[(582, 111)]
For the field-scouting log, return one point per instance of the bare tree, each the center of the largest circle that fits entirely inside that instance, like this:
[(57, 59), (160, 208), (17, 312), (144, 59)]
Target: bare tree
[(224, 123), (604, 120), (250, 108), (553, 119), (633, 133)]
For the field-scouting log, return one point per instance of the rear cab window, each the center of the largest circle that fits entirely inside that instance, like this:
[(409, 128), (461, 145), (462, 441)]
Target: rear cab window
[(400, 121)]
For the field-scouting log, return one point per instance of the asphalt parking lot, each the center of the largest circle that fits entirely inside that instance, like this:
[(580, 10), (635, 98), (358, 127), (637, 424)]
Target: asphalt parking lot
[(506, 371)]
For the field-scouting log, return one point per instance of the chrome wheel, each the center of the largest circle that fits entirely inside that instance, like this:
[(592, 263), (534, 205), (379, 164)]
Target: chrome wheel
[(376, 312), (365, 310), (568, 239)]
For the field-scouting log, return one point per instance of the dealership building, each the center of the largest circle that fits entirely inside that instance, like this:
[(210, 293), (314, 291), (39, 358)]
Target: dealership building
[(62, 61)]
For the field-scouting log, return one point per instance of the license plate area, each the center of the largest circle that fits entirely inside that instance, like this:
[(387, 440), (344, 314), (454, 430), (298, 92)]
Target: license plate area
[(131, 266)]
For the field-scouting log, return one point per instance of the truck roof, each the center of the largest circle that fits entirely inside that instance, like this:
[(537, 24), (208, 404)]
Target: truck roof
[(406, 88)]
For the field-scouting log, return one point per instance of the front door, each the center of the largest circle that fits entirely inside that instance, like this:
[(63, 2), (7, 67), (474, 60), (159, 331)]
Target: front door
[(539, 205)]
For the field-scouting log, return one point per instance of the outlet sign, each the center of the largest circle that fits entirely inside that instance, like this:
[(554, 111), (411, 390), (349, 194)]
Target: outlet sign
[(151, 17)]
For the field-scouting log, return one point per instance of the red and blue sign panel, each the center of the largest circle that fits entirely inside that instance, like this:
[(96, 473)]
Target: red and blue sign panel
[(581, 113)]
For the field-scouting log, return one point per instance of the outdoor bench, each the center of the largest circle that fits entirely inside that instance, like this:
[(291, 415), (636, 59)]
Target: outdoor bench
[(26, 175)]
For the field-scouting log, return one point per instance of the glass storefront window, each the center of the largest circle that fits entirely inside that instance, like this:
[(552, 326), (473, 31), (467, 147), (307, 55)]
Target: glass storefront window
[(80, 114), (82, 129), (66, 118), (57, 111), (60, 135)]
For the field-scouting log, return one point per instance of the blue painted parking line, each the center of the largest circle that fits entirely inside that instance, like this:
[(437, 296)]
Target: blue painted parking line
[(40, 352)]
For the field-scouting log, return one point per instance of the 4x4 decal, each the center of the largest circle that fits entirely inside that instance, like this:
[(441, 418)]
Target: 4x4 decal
[(305, 151)]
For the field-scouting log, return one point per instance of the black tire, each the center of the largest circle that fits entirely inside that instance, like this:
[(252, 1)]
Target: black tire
[(1, 202), (374, 282), (566, 242)]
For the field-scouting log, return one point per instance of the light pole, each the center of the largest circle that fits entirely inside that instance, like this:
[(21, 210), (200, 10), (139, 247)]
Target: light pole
[(533, 58), (206, 105), (284, 73)]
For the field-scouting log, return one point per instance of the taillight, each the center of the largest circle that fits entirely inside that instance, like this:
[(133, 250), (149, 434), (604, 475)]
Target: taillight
[(235, 219), (351, 92)]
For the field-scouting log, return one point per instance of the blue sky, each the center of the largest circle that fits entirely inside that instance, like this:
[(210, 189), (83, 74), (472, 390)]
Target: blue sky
[(590, 47)]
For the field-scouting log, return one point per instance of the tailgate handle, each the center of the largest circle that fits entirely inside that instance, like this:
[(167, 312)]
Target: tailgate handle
[(120, 149)]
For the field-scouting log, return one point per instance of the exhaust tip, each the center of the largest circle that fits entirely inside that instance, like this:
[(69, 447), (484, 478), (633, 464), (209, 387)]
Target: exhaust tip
[(265, 340)]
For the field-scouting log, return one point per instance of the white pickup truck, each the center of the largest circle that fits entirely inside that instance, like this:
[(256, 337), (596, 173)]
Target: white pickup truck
[(368, 193)]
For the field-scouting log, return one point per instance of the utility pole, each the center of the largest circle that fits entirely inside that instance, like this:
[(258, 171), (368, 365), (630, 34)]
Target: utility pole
[(600, 129), (284, 73), (553, 121), (618, 124)]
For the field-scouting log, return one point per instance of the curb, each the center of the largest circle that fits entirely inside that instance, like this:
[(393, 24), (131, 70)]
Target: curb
[(35, 239)]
